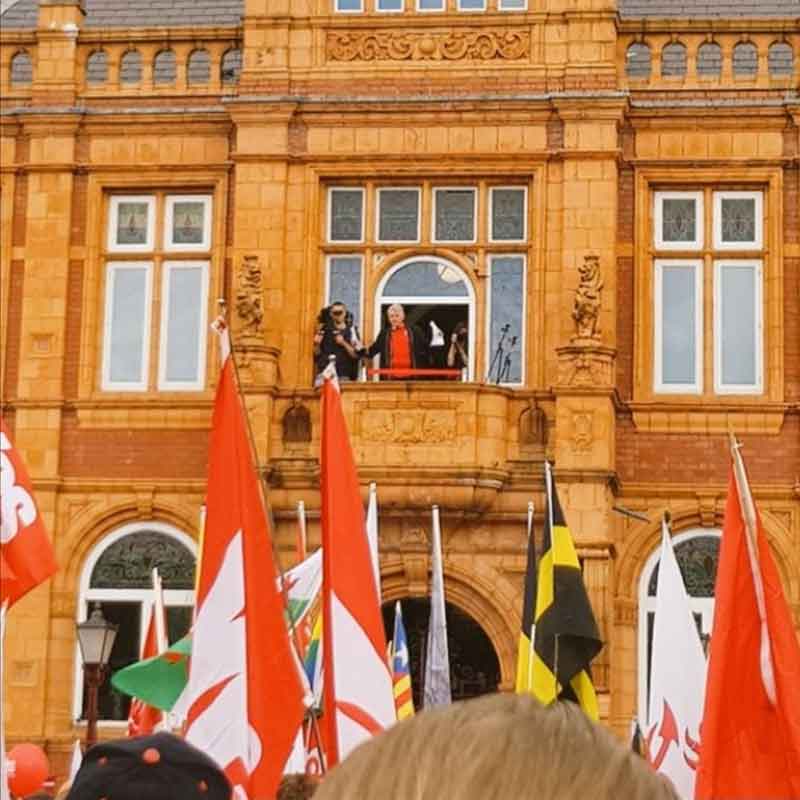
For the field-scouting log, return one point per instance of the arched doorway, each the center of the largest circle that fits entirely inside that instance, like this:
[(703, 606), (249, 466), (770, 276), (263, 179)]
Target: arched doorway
[(474, 666)]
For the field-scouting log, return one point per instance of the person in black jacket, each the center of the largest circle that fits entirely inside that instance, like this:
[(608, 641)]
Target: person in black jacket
[(400, 346), (336, 336)]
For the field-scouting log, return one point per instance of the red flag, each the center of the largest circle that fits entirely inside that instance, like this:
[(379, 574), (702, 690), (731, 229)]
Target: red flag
[(26, 555), (358, 697), (245, 697), (142, 718), (750, 736)]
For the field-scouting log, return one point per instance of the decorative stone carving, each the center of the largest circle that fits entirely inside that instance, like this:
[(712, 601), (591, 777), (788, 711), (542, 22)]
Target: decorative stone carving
[(472, 45), (586, 310), (624, 611), (582, 432), (532, 426), (297, 425), (409, 426), (586, 366), (249, 307)]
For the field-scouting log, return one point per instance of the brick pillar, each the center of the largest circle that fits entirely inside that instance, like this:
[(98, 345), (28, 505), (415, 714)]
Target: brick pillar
[(55, 77)]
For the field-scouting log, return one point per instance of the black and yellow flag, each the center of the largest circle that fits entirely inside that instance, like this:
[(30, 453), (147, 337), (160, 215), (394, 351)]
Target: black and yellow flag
[(525, 654), (566, 638)]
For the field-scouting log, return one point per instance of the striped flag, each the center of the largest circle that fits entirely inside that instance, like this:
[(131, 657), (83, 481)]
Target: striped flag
[(566, 637), (526, 635), (401, 670)]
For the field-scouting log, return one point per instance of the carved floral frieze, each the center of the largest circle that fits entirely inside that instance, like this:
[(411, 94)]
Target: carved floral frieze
[(466, 45), (409, 426)]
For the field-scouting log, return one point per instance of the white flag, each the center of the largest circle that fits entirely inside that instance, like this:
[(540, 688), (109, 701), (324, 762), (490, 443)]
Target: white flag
[(372, 534), (76, 761), (677, 678), (437, 659)]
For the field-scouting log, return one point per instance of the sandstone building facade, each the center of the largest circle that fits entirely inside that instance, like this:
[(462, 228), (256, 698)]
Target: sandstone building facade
[(616, 182)]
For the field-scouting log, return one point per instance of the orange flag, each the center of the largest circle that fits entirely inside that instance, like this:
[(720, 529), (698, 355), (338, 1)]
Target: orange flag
[(750, 735), (26, 555), (244, 695), (358, 698), (142, 718)]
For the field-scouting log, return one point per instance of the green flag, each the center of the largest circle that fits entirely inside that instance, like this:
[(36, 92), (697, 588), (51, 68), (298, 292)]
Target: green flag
[(159, 680)]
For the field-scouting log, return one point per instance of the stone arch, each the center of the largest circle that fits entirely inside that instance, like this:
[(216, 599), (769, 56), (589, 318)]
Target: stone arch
[(130, 68), (745, 59), (165, 67), (476, 596), (709, 60), (638, 60), (780, 59), (231, 66), (198, 67), (21, 69), (673, 60), (97, 67)]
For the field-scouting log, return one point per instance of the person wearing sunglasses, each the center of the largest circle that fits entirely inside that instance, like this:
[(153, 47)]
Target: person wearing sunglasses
[(336, 336)]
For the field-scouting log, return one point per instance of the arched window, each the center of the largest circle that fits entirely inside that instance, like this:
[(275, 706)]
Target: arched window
[(745, 60), (21, 69), (781, 60), (231, 66), (198, 70), (164, 68), (638, 61), (431, 290), (97, 68), (709, 60), (673, 60), (118, 576), (697, 553), (130, 68)]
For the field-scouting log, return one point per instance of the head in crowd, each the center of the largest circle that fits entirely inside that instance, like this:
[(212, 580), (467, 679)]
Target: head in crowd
[(396, 315), (158, 767), (502, 747), (297, 787)]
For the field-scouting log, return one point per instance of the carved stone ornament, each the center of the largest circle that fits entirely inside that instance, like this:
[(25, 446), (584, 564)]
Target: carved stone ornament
[(582, 437), (249, 308), (297, 425), (533, 426), (585, 366), (409, 426), (470, 45), (586, 310)]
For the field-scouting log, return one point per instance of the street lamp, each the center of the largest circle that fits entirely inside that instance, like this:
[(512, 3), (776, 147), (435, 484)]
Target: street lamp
[(96, 638)]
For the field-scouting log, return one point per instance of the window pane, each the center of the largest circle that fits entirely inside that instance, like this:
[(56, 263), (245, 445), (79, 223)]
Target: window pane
[(430, 5), (513, 5), (398, 215), (127, 335), (738, 325), (471, 5), (179, 621), (184, 318), (390, 5), (348, 5), (738, 219), (188, 222), (507, 298), (425, 279), (678, 313), (346, 212), (455, 215), (697, 558), (508, 214), (132, 220), (679, 221), (344, 283)]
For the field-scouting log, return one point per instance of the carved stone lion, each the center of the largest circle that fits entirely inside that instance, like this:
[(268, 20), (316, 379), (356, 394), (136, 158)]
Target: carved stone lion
[(586, 311), (249, 306)]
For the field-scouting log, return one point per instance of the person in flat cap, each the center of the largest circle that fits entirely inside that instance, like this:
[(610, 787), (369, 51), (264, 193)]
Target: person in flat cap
[(158, 767)]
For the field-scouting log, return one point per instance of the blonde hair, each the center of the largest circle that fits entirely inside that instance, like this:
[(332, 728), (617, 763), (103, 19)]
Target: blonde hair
[(502, 747)]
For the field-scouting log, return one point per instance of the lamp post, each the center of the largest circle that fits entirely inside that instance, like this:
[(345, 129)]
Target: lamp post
[(96, 638)]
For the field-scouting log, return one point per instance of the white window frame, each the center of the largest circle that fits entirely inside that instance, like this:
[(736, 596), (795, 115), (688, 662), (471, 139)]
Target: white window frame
[(488, 326), (677, 388), (471, 10), (474, 190), (87, 596), (647, 604), (470, 301), (658, 216), (387, 189), (164, 383), (112, 267), (113, 222), (359, 10), (442, 7), (174, 247), (734, 388), (329, 225), (503, 7), (380, 10), (517, 187), (758, 242), (328, 298)]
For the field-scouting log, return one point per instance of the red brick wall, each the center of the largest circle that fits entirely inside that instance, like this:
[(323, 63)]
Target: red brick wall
[(13, 328), (625, 295), (72, 331)]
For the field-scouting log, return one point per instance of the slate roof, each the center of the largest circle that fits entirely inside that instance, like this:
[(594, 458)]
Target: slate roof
[(706, 9), (138, 13)]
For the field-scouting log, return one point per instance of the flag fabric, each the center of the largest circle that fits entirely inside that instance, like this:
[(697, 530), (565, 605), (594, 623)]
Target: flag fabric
[(26, 555), (750, 746), (372, 534), (526, 635), (677, 677), (5, 794), (436, 686), (358, 701), (566, 638), (143, 718), (312, 662), (303, 584), (75, 761), (244, 696), (401, 668)]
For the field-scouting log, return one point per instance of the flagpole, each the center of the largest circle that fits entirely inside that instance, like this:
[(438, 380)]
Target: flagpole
[(294, 637), (548, 480), (532, 632)]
